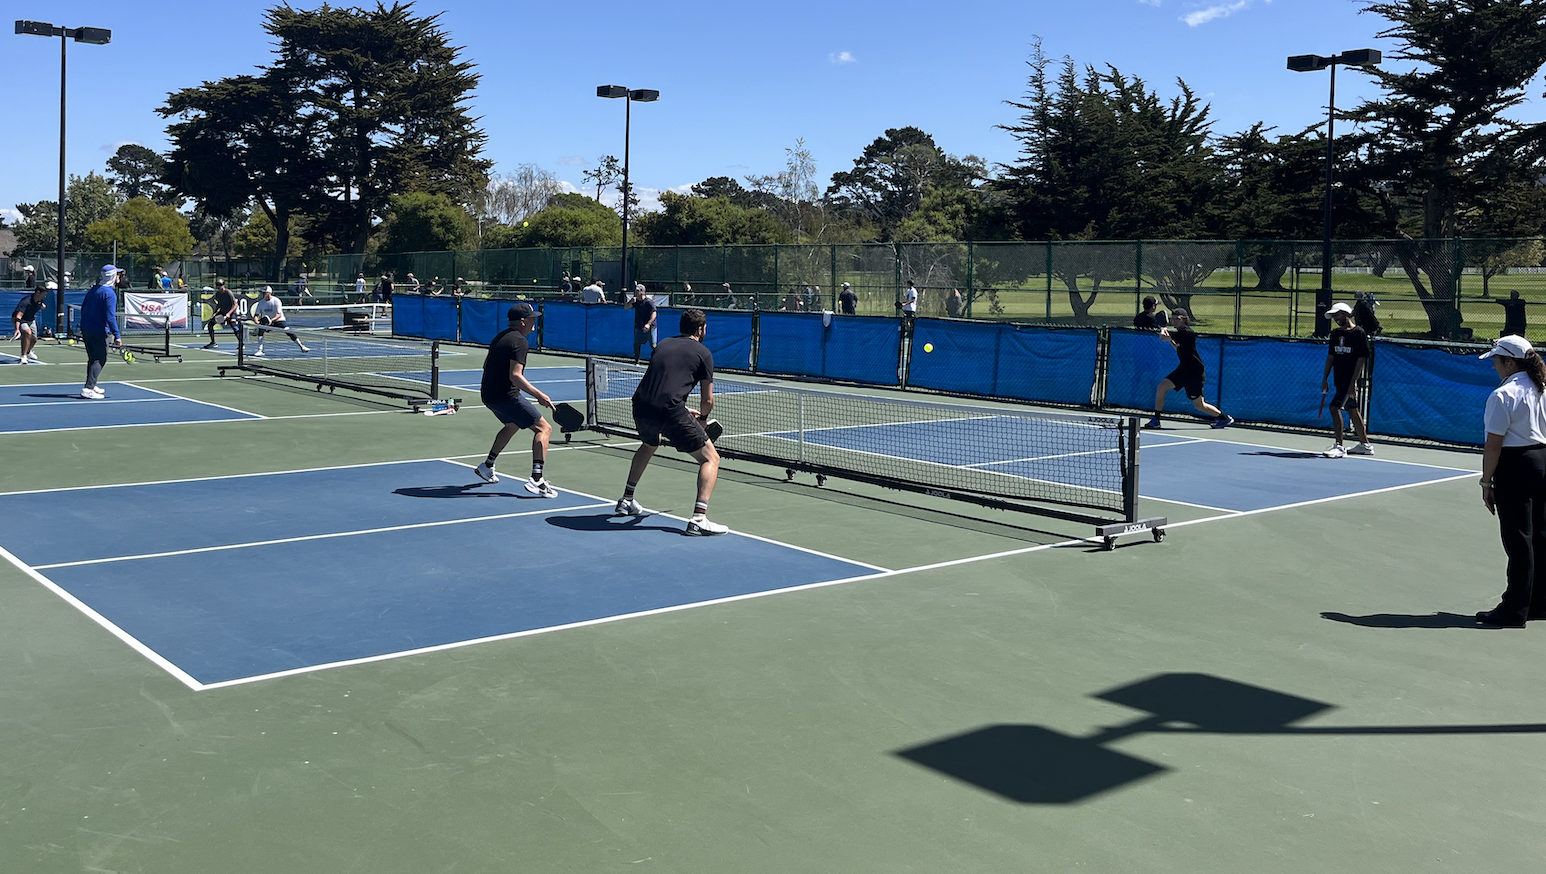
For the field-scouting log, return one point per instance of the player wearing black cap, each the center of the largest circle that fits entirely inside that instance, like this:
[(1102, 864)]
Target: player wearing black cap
[(504, 379), (678, 365)]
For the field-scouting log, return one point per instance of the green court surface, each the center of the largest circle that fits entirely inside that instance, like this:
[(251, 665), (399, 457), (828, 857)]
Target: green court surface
[(1287, 690)]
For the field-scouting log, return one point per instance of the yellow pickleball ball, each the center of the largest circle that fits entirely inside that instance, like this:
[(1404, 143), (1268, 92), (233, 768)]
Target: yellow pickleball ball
[(928, 347)]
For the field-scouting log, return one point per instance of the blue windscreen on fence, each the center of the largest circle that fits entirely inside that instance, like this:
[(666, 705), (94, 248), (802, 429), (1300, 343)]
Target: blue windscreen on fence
[(1138, 360), (1272, 381), (482, 320), (1004, 360), (609, 331), (729, 336), (1429, 393), (855, 349), (408, 315), (440, 320), (563, 326)]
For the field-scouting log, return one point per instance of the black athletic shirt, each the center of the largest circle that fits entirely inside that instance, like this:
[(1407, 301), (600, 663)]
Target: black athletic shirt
[(848, 300), (678, 364), (224, 301), (1145, 320), (642, 310), (1513, 316), (27, 308), (509, 346), (1347, 346), (1187, 359)]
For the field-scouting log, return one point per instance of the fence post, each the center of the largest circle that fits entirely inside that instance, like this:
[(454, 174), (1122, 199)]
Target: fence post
[(1457, 266), (971, 266), (832, 282), (776, 249), (1049, 280), (1138, 266), (1239, 280)]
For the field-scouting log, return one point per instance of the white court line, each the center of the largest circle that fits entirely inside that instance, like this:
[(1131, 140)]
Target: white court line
[(1307, 451), (134, 644), (276, 542), (100, 402), (198, 479), (136, 425), (683, 519), (192, 400), (882, 574)]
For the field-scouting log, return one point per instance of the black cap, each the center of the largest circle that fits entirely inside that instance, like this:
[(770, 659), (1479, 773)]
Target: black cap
[(521, 310)]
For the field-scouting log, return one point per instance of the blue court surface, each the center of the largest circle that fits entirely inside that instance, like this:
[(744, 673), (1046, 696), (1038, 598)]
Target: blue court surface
[(58, 407), (235, 578), (560, 383)]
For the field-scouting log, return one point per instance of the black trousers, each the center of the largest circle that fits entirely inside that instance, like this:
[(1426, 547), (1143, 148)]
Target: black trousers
[(1520, 498)]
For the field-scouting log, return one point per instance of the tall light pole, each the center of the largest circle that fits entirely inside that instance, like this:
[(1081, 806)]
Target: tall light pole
[(1308, 64), (641, 95), (96, 36)]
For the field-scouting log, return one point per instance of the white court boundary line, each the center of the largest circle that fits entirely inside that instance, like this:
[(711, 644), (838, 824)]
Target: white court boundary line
[(100, 402), (197, 686), (192, 400)]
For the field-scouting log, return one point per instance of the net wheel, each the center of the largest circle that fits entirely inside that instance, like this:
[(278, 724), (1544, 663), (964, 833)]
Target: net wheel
[(568, 437), (1159, 535), (788, 474), (1110, 544), (821, 479)]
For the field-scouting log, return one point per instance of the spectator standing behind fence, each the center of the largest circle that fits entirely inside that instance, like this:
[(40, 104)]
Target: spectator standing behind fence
[(32, 277), (687, 300), (1363, 313), (359, 288), (1514, 478), (413, 283), (954, 304), (793, 302), (643, 320), (728, 299), (1513, 314), (595, 292), (847, 301), (565, 289), (1347, 354), (1152, 316), (909, 300)]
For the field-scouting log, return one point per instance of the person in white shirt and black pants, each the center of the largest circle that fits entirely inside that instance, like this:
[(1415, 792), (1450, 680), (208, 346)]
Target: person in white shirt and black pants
[(1514, 478)]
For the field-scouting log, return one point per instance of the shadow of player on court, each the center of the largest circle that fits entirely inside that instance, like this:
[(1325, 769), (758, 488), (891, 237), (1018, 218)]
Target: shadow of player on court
[(1286, 454), (1411, 620), (1030, 764), (609, 522), (467, 491)]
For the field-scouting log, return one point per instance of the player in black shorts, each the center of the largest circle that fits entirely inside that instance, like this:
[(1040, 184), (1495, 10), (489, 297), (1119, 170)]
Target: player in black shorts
[(1189, 375), (677, 366), (504, 379), (1346, 354), (225, 313)]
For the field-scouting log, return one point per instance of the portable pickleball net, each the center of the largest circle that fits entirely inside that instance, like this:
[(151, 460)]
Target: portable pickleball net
[(1075, 465)]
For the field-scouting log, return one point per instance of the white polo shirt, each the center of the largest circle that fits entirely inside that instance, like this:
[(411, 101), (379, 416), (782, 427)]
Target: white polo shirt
[(270, 308), (1517, 410), (909, 299)]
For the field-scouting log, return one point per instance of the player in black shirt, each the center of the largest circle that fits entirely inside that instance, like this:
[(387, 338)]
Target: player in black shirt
[(679, 365), (1151, 317), (1189, 374), (504, 379), (643, 320), (224, 306), (24, 321), (1347, 351)]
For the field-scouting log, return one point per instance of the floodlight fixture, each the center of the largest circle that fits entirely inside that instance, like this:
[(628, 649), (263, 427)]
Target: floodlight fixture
[(611, 91), (639, 95)]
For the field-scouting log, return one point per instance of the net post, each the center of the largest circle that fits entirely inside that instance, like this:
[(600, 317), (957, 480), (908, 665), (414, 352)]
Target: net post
[(590, 392), (434, 370), (241, 347), (800, 406), (1130, 481)]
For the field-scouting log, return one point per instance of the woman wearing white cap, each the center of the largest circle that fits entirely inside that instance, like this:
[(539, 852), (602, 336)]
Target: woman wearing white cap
[(1514, 477)]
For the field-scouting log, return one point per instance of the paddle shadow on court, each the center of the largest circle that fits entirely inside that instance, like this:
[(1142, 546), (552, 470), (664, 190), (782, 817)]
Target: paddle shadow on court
[(1411, 620), (1031, 764), (609, 522), (467, 491), (1286, 454)]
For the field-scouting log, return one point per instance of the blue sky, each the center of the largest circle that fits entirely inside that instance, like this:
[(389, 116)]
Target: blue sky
[(739, 83)]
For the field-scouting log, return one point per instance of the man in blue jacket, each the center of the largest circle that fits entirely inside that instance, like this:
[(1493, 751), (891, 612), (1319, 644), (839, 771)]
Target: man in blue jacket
[(99, 317)]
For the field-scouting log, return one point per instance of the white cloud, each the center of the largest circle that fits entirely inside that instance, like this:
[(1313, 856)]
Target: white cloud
[(11, 216), (1219, 10), (112, 148), (1150, 2), (572, 161), (842, 58)]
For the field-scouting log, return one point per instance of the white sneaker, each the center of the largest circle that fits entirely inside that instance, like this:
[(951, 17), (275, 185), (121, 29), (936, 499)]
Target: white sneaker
[(540, 488), (1335, 452), (627, 507), (1361, 449), (303, 347), (486, 473), (26, 361), (33, 357), (259, 353), (93, 394), (701, 526)]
